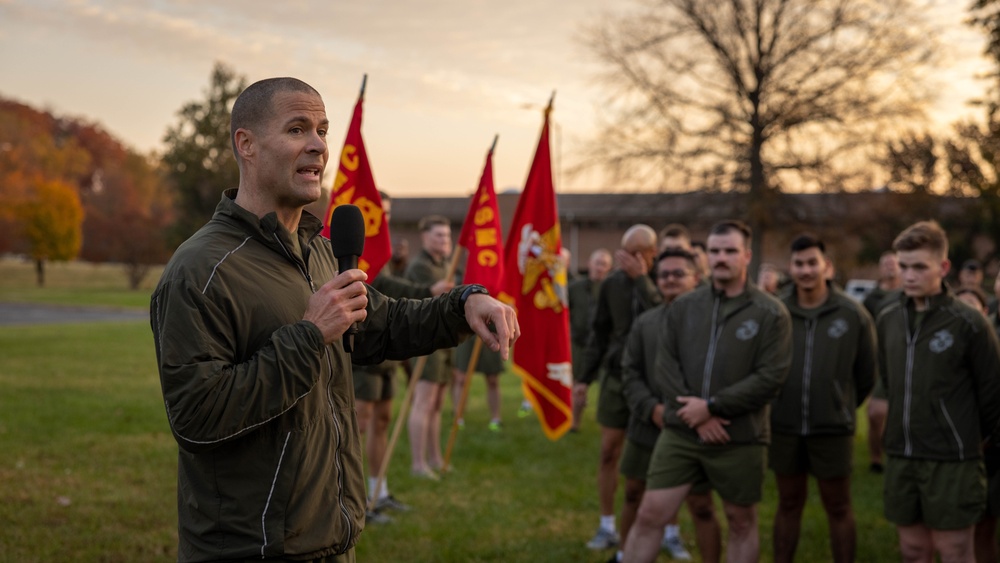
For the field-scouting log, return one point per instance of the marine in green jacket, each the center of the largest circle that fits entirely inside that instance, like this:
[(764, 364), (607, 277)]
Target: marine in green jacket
[(834, 358), (940, 362), (725, 356), (624, 294), (884, 293), (676, 274), (581, 297), (248, 321), (424, 423)]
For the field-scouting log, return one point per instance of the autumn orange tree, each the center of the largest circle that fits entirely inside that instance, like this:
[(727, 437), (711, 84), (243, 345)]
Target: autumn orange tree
[(38, 163), (71, 189), (128, 209)]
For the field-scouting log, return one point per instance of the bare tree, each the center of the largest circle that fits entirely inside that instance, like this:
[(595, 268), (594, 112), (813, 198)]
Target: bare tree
[(757, 95)]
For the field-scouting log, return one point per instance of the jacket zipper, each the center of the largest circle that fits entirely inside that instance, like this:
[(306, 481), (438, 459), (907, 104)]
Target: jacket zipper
[(706, 384), (954, 431), (911, 344), (298, 264), (338, 462), (807, 373)]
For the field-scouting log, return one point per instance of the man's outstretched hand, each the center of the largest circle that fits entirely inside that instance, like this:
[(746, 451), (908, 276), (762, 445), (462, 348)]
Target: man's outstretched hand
[(483, 312)]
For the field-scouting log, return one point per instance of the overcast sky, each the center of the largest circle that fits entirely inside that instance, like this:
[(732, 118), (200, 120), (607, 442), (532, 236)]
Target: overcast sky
[(444, 76)]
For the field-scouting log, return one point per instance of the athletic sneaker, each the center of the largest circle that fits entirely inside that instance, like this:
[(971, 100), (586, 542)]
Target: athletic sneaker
[(675, 548), (603, 539), (428, 474), (392, 503), (495, 426), (376, 517), (525, 409)]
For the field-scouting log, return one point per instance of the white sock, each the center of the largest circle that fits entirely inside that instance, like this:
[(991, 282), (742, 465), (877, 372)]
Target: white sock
[(383, 492), (672, 531), (608, 522)]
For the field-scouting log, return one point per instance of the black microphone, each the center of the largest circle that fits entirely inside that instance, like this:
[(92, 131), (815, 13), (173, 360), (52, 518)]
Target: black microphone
[(347, 237)]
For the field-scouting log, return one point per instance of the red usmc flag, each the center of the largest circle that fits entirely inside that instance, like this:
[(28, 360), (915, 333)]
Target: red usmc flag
[(535, 283), (481, 234), (356, 185)]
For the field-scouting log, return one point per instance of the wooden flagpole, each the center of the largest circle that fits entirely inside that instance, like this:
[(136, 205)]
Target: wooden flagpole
[(470, 370), (418, 370)]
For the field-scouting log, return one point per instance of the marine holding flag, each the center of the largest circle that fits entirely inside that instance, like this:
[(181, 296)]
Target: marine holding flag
[(355, 184), (535, 282), (481, 238)]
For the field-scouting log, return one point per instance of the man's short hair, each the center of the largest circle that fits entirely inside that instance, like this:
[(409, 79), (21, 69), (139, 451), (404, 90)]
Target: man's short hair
[(677, 253), (253, 106), (429, 222), (806, 241), (925, 234), (384, 196), (733, 225), (675, 230)]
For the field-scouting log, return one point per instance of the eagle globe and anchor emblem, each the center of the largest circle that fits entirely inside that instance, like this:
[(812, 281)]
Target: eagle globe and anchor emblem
[(544, 274)]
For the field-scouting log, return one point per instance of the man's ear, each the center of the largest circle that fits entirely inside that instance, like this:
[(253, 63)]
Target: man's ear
[(945, 267), (245, 144)]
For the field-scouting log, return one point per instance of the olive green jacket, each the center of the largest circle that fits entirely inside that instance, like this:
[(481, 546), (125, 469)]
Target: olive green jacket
[(269, 459), (396, 287), (641, 393), (735, 351), (581, 295), (834, 358), (942, 375), (619, 301)]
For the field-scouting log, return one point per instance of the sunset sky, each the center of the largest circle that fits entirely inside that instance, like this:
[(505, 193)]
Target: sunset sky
[(443, 76)]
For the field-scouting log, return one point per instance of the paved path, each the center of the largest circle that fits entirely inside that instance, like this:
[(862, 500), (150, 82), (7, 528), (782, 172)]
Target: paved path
[(34, 313)]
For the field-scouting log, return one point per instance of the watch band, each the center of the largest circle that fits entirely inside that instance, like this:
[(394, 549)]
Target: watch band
[(471, 290)]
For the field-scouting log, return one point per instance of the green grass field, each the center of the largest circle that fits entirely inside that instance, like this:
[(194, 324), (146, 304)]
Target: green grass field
[(89, 465)]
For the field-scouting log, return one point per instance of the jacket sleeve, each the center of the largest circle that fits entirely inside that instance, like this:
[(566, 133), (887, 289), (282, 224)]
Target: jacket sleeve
[(601, 325), (768, 373), (405, 328), (668, 378), (866, 360), (212, 397), (639, 395), (881, 389), (985, 356), (420, 272), (399, 288), (646, 292)]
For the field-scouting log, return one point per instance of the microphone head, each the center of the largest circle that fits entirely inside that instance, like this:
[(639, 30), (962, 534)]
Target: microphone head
[(347, 231)]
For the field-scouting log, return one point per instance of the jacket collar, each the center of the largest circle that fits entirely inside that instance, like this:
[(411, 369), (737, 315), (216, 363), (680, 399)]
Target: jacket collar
[(267, 229), (933, 302), (791, 301)]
